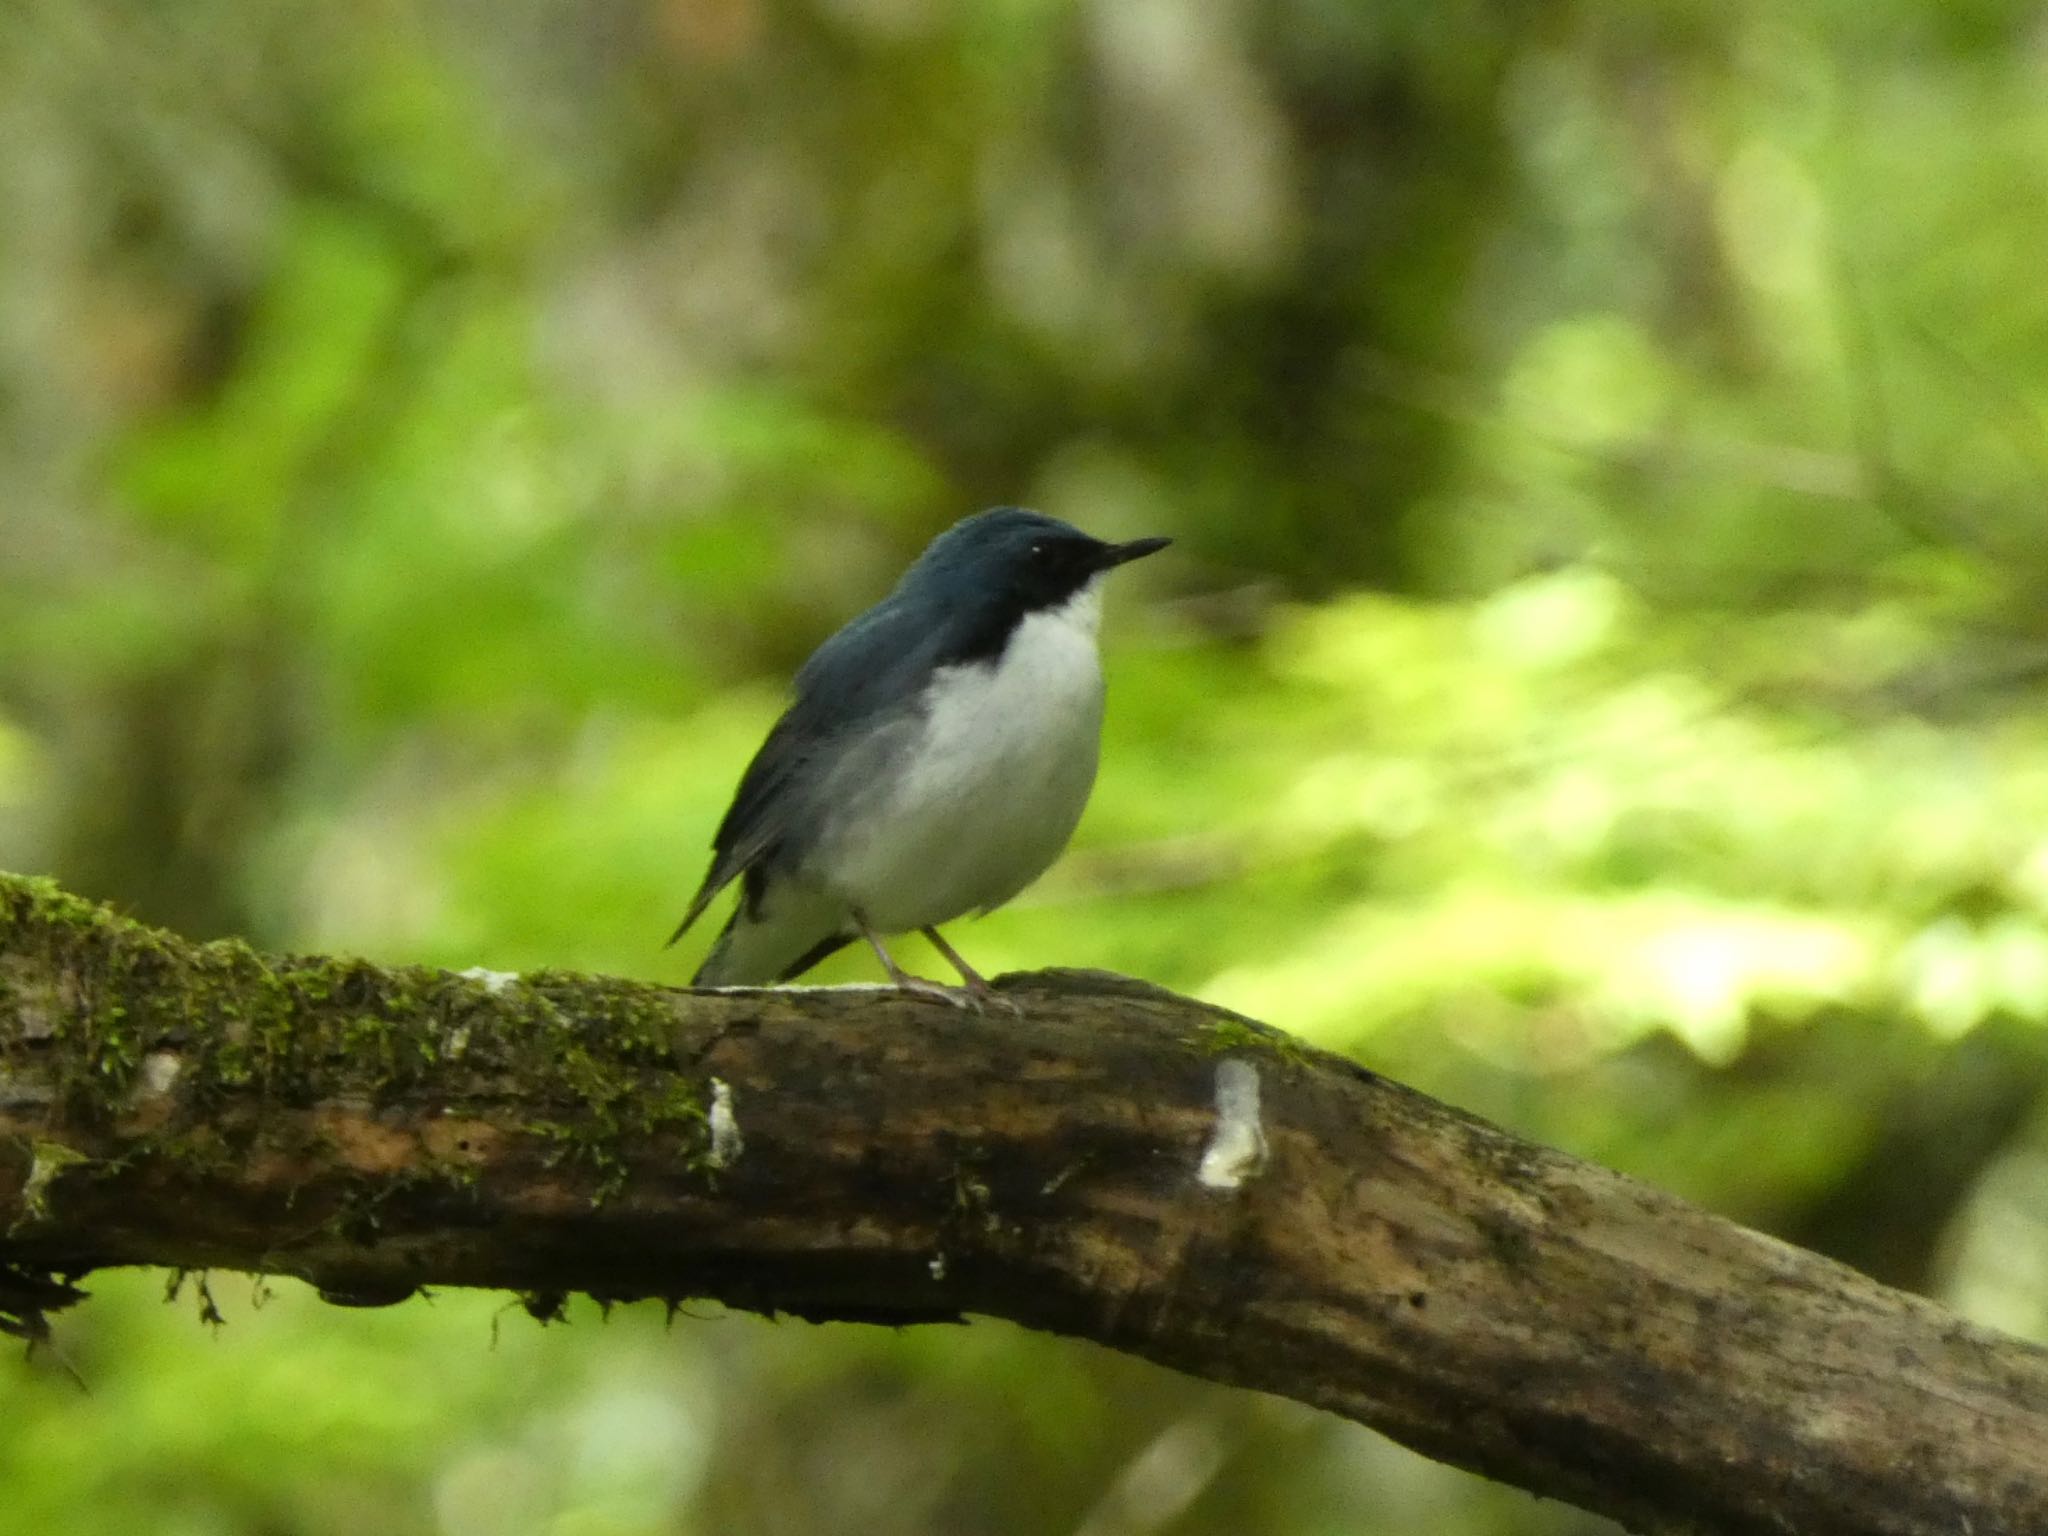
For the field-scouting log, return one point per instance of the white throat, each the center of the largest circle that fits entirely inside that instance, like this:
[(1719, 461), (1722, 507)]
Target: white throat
[(1078, 618)]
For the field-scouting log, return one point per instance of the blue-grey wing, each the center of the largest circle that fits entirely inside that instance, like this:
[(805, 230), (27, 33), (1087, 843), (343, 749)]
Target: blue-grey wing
[(871, 670)]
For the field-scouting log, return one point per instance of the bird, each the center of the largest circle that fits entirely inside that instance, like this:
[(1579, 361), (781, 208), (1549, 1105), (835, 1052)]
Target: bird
[(934, 759)]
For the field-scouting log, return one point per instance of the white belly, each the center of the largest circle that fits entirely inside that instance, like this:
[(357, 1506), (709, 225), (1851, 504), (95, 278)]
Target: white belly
[(991, 789)]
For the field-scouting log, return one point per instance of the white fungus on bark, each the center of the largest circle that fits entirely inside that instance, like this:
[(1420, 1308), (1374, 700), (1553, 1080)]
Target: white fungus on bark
[(726, 1141), (160, 1070), (1237, 1146)]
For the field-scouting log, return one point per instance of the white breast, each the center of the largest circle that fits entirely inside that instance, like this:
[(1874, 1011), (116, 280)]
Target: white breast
[(994, 785)]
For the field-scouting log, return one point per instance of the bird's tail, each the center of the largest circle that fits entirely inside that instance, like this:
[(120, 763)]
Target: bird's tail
[(753, 953), (718, 969)]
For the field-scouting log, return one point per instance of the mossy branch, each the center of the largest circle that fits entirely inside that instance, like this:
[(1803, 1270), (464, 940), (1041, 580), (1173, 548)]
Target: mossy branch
[(1118, 1164)]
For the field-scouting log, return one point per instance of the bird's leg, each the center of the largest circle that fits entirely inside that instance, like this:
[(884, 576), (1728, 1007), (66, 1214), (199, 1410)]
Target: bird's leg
[(917, 986), (976, 984)]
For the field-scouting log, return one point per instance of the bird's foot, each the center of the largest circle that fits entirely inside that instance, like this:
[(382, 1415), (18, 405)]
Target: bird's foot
[(962, 998), (973, 994), (985, 997), (972, 982)]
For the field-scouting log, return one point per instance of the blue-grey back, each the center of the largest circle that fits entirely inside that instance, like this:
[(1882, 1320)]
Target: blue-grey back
[(870, 674)]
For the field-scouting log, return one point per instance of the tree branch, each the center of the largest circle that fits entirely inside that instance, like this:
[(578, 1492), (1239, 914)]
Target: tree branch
[(1119, 1164)]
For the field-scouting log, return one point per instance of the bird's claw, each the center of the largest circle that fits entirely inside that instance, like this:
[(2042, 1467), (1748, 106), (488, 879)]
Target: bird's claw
[(987, 997), (968, 997), (938, 992)]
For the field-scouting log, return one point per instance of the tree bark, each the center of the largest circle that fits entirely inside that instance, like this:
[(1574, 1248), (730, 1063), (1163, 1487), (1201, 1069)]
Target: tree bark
[(1116, 1163)]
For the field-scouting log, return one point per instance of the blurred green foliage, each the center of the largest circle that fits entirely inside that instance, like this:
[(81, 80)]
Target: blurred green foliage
[(1599, 676)]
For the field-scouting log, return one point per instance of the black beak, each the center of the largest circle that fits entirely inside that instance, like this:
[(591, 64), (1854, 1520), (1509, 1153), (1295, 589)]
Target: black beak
[(1123, 554)]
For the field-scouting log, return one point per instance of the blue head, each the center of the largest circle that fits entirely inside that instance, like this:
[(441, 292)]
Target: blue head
[(1011, 561)]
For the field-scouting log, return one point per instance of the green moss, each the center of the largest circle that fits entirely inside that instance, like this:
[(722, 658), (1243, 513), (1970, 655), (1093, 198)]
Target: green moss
[(41, 902), (1220, 1036), (970, 1191), (101, 953), (48, 1163), (628, 1092), (598, 1056)]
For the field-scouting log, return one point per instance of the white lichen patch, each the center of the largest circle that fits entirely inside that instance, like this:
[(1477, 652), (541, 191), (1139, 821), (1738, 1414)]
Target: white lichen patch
[(492, 982), (160, 1071), (937, 1266), (726, 1142), (1237, 1146)]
